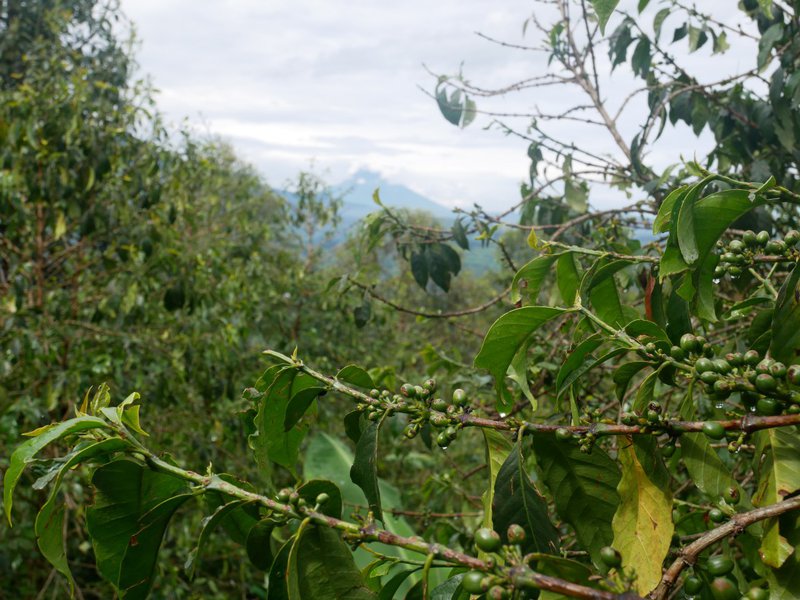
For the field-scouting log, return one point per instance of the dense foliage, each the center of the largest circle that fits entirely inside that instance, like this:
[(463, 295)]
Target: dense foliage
[(614, 416)]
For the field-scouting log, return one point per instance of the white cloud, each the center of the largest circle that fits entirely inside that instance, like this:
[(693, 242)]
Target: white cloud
[(290, 81)]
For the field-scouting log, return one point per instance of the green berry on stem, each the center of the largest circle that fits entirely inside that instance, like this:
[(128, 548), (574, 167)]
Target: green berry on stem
[(610, 557), (714, 430), (487, 540)]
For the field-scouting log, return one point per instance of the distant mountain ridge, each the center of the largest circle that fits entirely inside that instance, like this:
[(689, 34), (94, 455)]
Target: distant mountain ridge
[(357, 191)]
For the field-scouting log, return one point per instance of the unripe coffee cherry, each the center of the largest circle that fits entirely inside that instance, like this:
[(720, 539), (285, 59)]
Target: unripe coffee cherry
[(610, 557), (714, 430), (487, 540), (515, 534), (459, 397)]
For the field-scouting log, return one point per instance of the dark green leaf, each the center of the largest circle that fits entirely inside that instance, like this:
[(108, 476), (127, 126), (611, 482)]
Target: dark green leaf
[(516, 500), (419, 268), (325, 568), (132, 508), (313, 488), (207, 526), (259, 545), (364, 472), (568, 277), (299, 404), (584, 488), (460, 234), (786, 321)]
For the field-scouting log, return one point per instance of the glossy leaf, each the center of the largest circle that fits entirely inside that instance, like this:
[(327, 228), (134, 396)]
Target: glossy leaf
[(258, 544), (583, 487), (207, 526), (508, 334), (355, 375), (314, 487), (528, 280), (785, 345), (323, 568), (132, 508), (516, 500), (364, 472)]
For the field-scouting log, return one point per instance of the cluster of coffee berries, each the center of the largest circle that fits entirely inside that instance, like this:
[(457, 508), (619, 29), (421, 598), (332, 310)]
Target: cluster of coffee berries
[(766, 384), (299, 501), (489, 541), (738, 255), (423, 406), (720, 583)]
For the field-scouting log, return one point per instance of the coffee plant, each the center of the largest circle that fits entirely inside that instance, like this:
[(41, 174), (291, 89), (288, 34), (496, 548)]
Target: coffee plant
[(640, 439)]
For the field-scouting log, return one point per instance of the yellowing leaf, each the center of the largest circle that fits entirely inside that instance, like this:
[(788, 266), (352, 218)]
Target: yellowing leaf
[(643, 522)]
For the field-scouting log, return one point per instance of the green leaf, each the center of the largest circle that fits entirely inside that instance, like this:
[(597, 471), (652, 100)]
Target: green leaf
[(361, 314), (646, 392), (623, 375), (207, 526), (708, 472), (132, 508), (580, 355), (460, 234), (390, 589), (49, 520), (508, 334), (355, 375), (238, 522), (278, 588), (450, 589), (419, 268), (299, 404), (777, 465), (664, 217), (528, 280), (364, 472), (271, 442), (314, 487), (567, 278), (449, 106), (518, 372), (604, 9), (324, 568), (643, 522), (27, 451), (258, 544), (786, 321), (497, 450), (584, 488), (516, 500)]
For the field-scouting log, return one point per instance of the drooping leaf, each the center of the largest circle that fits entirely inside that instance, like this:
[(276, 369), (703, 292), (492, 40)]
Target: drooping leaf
[(27, 451), (364, 472), (777, 465), (325, 569), (604, 10), (568, 278), (708, 472), (643, 522), (497, 450), (584, 488), (258, 544), (623, 375), (516, 500), (299, 403), (785, 345), (127, 521), (508, 334), (460, 234), (271, 441), (207, 526), (237, 522), (419, 268)]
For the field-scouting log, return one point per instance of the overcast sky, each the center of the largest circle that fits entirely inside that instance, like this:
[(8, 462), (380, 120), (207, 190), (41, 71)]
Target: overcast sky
[(290, 81)]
